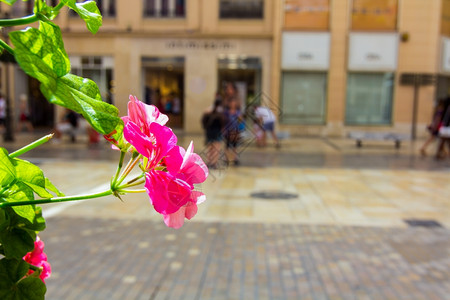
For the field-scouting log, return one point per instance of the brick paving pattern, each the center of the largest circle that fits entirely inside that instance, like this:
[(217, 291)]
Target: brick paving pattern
[(129, 259)]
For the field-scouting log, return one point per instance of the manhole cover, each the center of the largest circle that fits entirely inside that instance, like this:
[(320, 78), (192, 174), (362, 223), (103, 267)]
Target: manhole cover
[(273, 195), (422, 223)]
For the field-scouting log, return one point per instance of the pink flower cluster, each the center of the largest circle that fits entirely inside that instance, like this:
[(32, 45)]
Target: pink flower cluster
[(38, 258), (170, 170)]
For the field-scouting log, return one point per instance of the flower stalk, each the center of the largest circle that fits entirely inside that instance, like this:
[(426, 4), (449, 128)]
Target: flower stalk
[(57, 199), (31, 146)]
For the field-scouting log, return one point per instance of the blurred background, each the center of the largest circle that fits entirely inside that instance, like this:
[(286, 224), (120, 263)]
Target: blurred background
[(330, 66), (353, 205)]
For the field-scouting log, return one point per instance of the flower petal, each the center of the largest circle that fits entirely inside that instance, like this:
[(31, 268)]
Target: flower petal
[(193, 167), (138, 139), (191, 210), (176, 219), (174, 159), (167, 193)]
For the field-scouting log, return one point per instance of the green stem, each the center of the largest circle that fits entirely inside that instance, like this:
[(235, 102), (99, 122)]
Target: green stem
[(128, 169), (127, 185), (135, 179), (19, 21), (57, 199), (31, 146), (59, 6), (119, 167), (132, 191), (8, 48)]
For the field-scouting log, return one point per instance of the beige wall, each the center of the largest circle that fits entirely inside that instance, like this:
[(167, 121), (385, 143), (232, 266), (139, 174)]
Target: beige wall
[(420, 54), (200, 66), (421, 20), (129, 37)]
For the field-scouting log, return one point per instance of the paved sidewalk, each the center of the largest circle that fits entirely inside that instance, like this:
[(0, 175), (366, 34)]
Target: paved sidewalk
[(129, 259), (341, 235)]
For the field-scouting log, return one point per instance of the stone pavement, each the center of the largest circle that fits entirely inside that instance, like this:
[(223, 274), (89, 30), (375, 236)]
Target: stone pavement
[(341, 235)]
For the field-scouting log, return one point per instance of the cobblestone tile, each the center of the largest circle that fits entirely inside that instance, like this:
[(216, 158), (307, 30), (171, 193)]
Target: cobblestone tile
[(145, 260)]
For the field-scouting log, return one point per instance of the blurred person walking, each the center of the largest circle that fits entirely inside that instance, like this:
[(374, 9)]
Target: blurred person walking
[(266, 120), (68, 125), (24, 115), (434, 126), (230, 94), (444, 132), (233, 117), (2, 112), (213, 123)]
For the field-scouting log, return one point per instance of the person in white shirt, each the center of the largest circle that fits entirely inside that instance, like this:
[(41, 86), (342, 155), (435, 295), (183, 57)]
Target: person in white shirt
[(266, 120)]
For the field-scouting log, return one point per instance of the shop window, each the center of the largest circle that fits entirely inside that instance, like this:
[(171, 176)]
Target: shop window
[(241, 9), (106, 7), (244, 73), (374, 15), (369, 98), (306, 14), (303, 98), (164, 8)]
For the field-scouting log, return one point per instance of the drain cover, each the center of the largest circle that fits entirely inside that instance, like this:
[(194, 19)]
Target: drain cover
[(422, 223), (274, 195)]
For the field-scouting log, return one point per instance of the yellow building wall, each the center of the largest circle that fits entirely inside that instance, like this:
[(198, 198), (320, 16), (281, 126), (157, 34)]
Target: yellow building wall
[(129, 36), (420, 54), (337, 76)]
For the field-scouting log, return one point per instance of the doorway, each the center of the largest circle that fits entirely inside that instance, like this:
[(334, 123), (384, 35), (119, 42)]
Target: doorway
[(244, 73), (163, 83)]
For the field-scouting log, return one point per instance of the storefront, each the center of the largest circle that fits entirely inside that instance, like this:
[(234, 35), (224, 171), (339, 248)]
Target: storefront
[(372, 61), (305, 62), (194, 69)]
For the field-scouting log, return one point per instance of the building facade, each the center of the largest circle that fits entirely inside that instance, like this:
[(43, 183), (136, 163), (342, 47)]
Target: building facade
[(329, 66)]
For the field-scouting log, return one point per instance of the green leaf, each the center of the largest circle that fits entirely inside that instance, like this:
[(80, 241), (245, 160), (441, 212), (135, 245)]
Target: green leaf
[(50, 187), (17, 234), (83, 96), (7, 170), (43, 11), (39, 221), (40, 53), (31, 288), (12, 284), (89, 12), (4, 222), (21, 192), (17, 242), (12, 270), (9, 2), (32, 176)]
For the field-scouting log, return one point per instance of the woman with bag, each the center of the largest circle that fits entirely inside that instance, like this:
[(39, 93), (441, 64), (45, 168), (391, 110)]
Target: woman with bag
[(433, 128), (233, 117)]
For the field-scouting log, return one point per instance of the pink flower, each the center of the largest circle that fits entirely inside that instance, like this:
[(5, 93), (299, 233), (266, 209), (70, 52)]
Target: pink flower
[(143, 115), (154, 145), (170, 171), (38, 258), (172, 193)]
